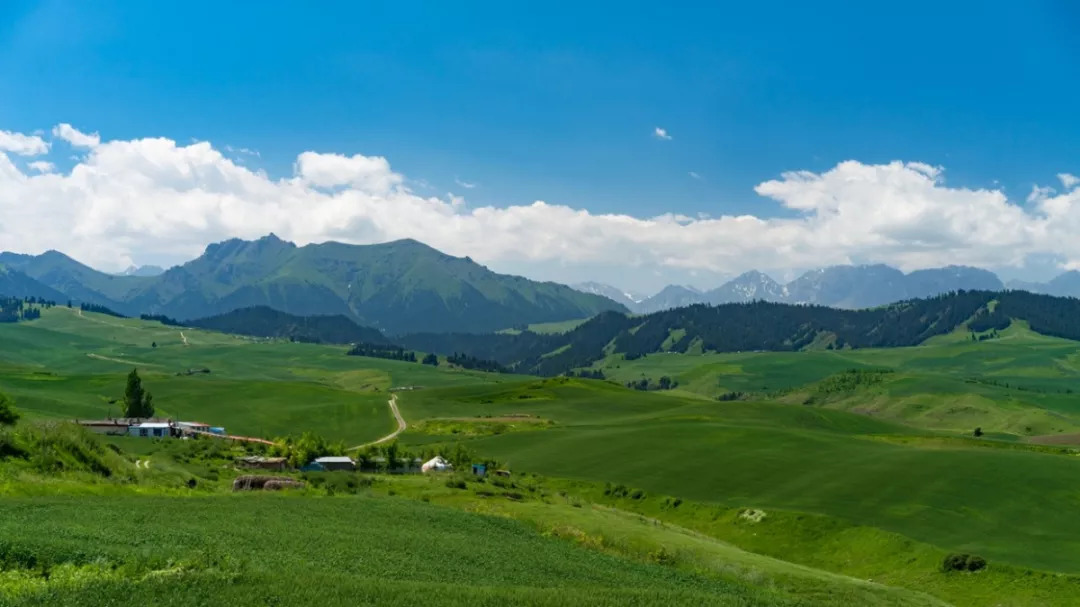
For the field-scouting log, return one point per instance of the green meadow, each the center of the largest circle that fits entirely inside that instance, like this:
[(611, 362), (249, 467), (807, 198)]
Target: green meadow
[(821, 478)]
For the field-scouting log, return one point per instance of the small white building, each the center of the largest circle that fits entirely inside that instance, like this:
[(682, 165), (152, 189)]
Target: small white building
[(151, 429), (436, 464), (335, 462)]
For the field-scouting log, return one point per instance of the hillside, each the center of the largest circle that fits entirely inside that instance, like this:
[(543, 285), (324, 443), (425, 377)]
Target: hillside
[(760, 326), (821, 464), (17, 284), (395, 287), (261, 321)]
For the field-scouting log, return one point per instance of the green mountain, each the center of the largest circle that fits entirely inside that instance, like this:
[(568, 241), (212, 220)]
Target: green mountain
[(17, 284), (762, 326), (396, 287), (261, 321)]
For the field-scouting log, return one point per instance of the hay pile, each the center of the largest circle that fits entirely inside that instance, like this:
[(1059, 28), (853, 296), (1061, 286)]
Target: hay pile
[(258, 482)]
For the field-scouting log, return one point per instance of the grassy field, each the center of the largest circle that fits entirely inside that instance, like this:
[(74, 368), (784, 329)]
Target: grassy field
[(70, 365), (1021, 383), (872, 474)]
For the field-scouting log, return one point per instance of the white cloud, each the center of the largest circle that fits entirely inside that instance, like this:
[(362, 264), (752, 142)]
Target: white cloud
[(244, 151), (464, 184), (154, 199), (694, 175), (1068, 180), (23, 145), (42, 166), (75, 137), (660, 133)]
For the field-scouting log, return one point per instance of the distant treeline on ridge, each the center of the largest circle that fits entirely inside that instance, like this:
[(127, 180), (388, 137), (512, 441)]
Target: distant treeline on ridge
[(760, 326)]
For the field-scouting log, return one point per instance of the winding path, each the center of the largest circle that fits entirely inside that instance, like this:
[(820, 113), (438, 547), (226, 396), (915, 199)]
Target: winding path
[(401, 426)]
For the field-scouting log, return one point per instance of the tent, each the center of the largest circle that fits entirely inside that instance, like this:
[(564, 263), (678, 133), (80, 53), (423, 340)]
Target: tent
[(436, 464)]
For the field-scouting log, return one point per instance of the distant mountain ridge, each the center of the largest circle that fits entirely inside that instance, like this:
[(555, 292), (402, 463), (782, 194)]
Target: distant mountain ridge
[(393, 287), (762, 326), (846, 287)]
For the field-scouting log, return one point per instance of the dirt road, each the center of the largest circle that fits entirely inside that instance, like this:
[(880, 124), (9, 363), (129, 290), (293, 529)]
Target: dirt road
[(401, 426)]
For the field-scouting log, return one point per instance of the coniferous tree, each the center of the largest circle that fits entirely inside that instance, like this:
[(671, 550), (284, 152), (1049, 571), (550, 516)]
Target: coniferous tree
[(137, 401)]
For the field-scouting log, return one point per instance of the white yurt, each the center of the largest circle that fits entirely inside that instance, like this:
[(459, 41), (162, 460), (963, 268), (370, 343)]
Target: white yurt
[(436, 464)]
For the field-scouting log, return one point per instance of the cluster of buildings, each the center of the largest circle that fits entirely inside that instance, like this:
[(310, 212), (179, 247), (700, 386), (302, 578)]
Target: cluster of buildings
[(148, 428)]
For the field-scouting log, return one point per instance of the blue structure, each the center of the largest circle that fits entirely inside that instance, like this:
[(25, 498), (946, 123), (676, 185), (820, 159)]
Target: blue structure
[(479, 469)]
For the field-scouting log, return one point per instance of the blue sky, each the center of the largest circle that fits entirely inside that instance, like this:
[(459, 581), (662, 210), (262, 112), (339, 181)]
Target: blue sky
[(559, 102)]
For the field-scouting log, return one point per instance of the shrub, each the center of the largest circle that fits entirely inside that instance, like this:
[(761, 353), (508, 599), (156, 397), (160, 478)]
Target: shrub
[(455, 483), (963, 562)]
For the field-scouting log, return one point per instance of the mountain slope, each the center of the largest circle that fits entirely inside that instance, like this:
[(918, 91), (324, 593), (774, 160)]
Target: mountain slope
[(750, 286), (672, 296), (761, 326), (261, 321), (16, 284), (75, 280), (396, 287), (630, 300)]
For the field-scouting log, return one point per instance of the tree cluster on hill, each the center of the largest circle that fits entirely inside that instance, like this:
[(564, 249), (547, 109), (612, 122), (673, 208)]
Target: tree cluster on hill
[(588, 374), (14, 309), (261, 321), (382, 351), (99, 309), (645, 383), (756, 326), (471, 362), (986, 320), (161, 318)]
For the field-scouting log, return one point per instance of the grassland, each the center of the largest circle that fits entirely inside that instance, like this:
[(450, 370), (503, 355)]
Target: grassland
[(70, 365), (1021, 384), (872, 476)]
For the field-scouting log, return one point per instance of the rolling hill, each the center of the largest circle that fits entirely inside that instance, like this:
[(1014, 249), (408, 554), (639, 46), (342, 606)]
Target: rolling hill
[(395, 287)]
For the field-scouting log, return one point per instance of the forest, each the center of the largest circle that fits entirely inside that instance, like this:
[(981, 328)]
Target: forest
[(760, 326), (261, 321)]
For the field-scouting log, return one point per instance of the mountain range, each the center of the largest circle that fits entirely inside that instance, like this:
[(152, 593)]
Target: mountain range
[(393, 287), (849, 287)]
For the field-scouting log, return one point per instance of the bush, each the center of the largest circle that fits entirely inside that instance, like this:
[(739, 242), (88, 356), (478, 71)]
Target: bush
[(963, 562), (455, 483)]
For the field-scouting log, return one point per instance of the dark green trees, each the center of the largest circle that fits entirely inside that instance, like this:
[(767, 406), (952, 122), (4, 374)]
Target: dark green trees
[(8, 414), (137, 401), (431, 359)]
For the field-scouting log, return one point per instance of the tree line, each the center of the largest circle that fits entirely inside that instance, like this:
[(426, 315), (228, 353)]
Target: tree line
[(758, 326), (14, 309)]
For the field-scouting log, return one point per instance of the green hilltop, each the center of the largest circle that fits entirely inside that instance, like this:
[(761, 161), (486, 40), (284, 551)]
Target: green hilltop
[(394, 287)]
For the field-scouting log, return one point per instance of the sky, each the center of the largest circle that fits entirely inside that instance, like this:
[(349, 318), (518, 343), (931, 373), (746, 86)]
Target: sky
[(637, 146)]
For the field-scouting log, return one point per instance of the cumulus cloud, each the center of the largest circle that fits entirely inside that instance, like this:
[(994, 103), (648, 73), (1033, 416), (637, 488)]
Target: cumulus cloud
[(660, 133), (75, 137), (1068, 180), (464, 184), (131, 201), (23, 145), (42, 166)]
